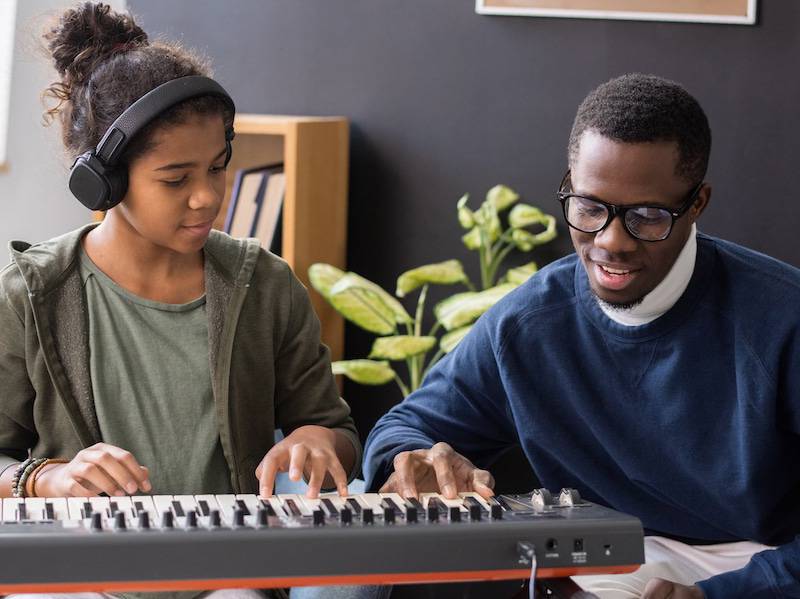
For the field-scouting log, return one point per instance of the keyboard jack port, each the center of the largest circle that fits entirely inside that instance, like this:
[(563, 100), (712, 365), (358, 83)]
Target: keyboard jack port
[(551, 545), (577, 545)]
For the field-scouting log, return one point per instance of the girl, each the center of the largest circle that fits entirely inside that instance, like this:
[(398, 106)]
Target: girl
[(149, 353)]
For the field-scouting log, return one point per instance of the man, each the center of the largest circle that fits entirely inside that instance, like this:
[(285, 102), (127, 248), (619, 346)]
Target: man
[(656, 370)]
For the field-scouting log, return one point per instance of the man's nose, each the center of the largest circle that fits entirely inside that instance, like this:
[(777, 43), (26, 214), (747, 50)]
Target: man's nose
[(614, 238)]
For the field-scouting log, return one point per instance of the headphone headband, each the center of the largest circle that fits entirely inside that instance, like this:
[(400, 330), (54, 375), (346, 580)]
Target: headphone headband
[(96, 179), (150, 106)]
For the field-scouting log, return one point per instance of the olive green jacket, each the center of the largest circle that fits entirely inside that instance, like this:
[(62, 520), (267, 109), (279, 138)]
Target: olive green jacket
[(268, 367)]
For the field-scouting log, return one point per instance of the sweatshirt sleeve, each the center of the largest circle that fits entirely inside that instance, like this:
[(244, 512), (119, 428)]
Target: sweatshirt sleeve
[(769, 575), (16, 390), (305, 384), (461, 402)]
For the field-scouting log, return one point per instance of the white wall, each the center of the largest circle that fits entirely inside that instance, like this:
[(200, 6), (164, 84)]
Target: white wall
[(35, 203)]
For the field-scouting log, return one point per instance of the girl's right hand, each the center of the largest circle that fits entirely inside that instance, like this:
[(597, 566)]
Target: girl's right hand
[(101, 468)]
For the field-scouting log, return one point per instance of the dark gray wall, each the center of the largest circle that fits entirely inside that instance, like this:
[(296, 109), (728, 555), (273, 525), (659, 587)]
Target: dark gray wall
[(444, 101)]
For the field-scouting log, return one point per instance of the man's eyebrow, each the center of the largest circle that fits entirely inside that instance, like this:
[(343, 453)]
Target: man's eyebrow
[(179, 165)]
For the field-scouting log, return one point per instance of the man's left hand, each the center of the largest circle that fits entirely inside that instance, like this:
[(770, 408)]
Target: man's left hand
[(658, 588)]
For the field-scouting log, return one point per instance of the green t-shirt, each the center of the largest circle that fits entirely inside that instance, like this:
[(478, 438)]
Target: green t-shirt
[(151, 383)]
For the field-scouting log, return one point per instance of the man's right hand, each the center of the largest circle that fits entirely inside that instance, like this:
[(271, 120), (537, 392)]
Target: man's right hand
[(101, 468), (438, 469)]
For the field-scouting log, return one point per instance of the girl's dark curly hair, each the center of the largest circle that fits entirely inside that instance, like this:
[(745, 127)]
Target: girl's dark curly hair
[(106, 63)]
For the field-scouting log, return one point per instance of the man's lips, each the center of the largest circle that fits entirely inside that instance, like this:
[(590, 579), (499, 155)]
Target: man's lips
[(614, 276)]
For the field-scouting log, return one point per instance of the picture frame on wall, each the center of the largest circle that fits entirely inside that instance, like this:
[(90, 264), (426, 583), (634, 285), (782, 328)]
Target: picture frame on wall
[(8, 10), (736, 12)]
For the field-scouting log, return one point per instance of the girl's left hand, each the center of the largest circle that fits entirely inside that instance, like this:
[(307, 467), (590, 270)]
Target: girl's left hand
[(309, 449)]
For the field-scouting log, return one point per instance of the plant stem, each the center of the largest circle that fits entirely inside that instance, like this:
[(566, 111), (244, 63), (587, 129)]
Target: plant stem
[(434, 329), (485, 257), (403, 388), (498, 260), (420, 310)]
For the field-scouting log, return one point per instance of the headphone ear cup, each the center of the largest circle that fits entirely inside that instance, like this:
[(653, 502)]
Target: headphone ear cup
[(88, 183), (118, 183)]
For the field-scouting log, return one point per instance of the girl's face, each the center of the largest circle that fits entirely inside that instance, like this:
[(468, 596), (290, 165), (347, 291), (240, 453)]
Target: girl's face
[(175, 190)]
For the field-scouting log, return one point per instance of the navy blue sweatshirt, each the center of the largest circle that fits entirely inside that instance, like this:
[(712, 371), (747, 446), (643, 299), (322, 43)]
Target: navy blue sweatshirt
[(689, 422)]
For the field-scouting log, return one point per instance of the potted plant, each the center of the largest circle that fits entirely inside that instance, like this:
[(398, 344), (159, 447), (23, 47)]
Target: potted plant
[(400, 335)]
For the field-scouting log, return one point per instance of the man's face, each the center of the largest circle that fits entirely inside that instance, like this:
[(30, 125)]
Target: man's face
[(621, 268)]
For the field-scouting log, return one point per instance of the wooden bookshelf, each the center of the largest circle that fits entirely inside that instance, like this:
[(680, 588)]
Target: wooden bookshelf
[(315, 155)]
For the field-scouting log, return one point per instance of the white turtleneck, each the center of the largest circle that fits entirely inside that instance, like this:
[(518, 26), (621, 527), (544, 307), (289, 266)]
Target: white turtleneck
[(665, 294)]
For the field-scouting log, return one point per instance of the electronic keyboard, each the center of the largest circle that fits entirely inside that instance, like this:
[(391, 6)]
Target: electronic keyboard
[(185, 542)]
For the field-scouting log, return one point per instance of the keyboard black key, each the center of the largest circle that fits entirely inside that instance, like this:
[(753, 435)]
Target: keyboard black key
[(49, 512), (268, 506), (293, 509), (87, 509), (354, 505), (178, 509), (22, 511), (329, 507), (243, 506), (138, 507), (204, 509)]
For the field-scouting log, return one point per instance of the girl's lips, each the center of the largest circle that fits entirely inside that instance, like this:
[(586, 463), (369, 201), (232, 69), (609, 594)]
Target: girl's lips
[(613, 278), (200, 229)]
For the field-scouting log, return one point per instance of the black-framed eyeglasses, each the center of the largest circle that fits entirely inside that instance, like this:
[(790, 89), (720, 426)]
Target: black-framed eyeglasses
[(648, 222)]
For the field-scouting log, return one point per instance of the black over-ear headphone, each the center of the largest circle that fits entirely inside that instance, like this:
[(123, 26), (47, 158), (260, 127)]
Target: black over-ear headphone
[(96, 178)]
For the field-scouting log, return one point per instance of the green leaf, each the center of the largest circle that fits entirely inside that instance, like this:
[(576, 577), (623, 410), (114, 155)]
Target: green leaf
[(365, 372), (517, 276), (450, 340), (441, 273), (400, 314), (465, 216), (501, 197), (362, 306), (400, 347), (523, 215), (465, 308), (526, 241), (323, 277), (472, 239)]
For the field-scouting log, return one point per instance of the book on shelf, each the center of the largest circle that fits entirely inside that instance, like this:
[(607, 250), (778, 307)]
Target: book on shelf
[(249, 189), (269, 217)]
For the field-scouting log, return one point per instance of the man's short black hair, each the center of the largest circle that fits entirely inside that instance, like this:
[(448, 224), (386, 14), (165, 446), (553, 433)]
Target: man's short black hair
[(637, 108)]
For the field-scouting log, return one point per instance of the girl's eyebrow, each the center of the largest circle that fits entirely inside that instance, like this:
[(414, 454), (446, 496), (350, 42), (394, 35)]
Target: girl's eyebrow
[(179, 165)]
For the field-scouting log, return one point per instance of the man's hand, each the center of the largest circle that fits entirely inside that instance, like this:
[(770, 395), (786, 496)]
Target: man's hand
[(658, 588), (101, 468), (438, 469), (310, 449)]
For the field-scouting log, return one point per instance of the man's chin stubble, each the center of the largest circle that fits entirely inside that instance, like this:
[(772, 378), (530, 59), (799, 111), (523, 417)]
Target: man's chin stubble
[(619, 306)]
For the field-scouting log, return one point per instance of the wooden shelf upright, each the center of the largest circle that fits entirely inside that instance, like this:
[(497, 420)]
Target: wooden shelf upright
[(315, 155)]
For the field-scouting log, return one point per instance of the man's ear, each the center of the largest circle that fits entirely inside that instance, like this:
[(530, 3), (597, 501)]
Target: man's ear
[(700, 204)]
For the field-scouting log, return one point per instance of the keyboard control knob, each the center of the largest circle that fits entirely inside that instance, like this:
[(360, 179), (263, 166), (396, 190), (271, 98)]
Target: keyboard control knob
[(455, 514), (96, 523), (345, 516), (411, 514), (119, 521), (262, 517), (167, 520), (433, 513), (191, 519), (367, 516), (214, 519), (318, 517), (475, 513), (238, 517), (144, 521), (496, 511)]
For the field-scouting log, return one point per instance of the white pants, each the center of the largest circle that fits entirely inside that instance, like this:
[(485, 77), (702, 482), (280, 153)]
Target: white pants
[(671, 560)]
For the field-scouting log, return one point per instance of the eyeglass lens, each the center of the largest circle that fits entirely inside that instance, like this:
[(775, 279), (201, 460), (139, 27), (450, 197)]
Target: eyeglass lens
[(646, 223)]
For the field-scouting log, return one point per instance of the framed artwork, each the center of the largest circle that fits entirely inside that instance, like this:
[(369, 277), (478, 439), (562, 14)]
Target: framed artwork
[(8, 10), (741, 12)]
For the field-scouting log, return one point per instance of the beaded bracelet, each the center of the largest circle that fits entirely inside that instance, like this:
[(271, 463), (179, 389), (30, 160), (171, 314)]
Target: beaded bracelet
[(24, 472), (31, 490), (18, 472)]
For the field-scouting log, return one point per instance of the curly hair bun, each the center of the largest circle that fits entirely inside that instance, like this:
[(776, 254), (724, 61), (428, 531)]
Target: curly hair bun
[(87, 35)]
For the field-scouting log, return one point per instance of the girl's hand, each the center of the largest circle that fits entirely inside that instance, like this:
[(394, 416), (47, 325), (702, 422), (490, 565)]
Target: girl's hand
[(309, 449), (101, 468)]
